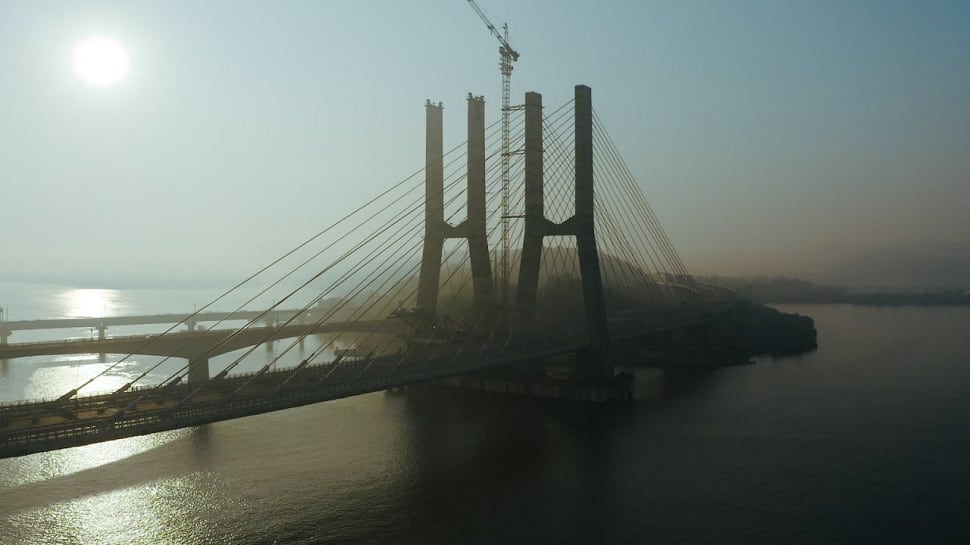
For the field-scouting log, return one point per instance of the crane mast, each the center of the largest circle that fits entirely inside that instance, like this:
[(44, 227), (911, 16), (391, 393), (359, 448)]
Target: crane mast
[(507, 55)]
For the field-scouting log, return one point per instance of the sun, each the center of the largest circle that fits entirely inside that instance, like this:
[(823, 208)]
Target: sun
[(100, 61)]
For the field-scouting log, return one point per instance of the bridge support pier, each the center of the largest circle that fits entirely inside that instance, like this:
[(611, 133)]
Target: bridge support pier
[(102, 331), (595, 363), (599, 365), (5, 336), (198, 370), (473, 229), (619, 389)]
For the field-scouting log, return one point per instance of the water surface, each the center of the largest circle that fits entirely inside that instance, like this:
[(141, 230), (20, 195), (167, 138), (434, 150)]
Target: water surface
[(863, 440)]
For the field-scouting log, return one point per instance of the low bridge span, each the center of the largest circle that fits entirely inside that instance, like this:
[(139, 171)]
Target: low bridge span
[(7, 328), (196, 344)]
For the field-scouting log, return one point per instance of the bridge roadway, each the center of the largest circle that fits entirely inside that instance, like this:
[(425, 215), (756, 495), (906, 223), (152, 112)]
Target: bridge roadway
[(41, 425), (38, 426)]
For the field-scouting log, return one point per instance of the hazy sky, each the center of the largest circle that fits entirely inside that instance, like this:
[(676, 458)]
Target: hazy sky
[(772, 137)]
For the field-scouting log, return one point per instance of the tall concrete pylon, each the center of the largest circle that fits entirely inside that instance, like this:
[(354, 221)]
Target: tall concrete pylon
[(434, 213), (436, 229), (581, 225), (536, 224), (473, 228), (599, 364)]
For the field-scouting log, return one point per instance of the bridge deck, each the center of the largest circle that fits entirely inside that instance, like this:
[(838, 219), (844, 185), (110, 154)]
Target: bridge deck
[(40, 426), (36, 426)]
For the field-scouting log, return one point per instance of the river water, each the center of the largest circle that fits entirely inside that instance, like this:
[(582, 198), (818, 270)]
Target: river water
[(863, 441)]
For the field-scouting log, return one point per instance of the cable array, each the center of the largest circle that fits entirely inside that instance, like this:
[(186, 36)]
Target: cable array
[(363, 268)]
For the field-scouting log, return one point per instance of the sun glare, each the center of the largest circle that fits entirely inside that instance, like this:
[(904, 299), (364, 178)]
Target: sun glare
[(100, 61), (90, 303)]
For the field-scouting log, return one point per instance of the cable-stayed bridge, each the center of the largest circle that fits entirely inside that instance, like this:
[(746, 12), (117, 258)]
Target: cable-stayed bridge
[(412, 280)]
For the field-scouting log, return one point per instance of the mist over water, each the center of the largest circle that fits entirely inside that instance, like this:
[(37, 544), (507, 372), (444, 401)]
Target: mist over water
[(862, 440)]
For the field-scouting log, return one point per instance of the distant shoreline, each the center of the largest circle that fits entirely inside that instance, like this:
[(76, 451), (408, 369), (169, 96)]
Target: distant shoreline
[(779, 290), (877, 299)]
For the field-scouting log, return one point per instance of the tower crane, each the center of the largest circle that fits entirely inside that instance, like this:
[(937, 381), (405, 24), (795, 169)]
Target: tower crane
[(507, 56)]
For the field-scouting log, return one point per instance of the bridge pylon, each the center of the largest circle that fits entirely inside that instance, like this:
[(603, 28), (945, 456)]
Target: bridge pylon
[(595, 363), (436, 229)]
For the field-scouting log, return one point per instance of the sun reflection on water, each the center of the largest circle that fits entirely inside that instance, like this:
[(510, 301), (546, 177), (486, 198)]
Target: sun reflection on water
[(49, 382), (91, 303), (112, 492)]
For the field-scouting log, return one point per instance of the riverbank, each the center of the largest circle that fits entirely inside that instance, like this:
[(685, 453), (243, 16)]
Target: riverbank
[(751, 330)]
